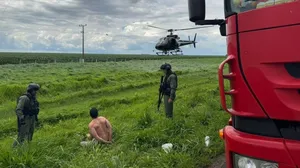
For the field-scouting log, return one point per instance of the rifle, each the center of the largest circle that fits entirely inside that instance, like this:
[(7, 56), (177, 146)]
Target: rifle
[(36, 118), (37, 122), (19, 124), (160, 95)]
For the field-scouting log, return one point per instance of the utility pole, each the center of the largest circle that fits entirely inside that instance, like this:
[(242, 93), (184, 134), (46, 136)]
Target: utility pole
[(81, 25)]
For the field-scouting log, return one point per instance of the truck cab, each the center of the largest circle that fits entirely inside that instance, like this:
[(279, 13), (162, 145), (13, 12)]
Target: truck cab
[(262, 39)]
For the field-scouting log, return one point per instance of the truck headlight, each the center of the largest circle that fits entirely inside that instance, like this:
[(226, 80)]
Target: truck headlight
[(246, 162)]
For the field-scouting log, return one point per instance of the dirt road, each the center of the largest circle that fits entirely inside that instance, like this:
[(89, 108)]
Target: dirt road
[(219, 162)]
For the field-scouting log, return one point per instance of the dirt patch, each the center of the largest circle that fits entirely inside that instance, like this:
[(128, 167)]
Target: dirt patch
[(219, 162)]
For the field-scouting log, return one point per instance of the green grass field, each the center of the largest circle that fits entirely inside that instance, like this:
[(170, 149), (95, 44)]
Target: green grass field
[(126, 93), (22, 58)]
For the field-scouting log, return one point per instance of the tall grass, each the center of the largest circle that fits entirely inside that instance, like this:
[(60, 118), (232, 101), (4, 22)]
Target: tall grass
[(125, 93)]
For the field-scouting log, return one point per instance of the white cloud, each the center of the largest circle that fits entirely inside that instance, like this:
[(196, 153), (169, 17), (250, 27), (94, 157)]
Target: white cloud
[(118, 26)]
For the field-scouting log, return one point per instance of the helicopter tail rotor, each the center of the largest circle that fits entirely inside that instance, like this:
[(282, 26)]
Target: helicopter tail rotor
[(194, 42)]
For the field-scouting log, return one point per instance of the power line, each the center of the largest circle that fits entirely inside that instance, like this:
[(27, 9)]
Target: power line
[(81, 25)]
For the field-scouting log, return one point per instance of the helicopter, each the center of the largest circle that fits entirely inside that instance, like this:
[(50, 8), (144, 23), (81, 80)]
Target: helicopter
[(171, 43)]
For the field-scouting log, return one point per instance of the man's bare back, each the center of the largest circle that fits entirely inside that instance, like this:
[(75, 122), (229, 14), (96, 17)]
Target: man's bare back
[(101, 130)]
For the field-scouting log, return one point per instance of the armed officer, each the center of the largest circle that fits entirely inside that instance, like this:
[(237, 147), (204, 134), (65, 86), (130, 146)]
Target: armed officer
[(169, 87), (27, 114)]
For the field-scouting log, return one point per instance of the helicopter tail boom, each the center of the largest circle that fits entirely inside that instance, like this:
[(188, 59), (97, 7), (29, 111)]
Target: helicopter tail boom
[(188, 42)]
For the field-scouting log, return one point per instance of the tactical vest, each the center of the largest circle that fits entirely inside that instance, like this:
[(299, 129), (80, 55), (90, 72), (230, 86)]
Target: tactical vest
[(167, 86), (31, 108)]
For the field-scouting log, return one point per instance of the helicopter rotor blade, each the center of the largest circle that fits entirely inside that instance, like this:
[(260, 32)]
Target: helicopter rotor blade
[(192, 28), (157, 27)]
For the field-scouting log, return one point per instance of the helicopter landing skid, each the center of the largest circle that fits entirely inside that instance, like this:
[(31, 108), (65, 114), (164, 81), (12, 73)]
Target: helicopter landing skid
[(162, 53), (173, 52), (177, 52)]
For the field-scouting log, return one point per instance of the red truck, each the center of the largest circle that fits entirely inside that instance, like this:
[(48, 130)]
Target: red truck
[(264, 73)]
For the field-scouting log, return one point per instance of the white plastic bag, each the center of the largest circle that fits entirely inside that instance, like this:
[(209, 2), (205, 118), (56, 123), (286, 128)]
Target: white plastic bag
[(167, 147), (207, 140)]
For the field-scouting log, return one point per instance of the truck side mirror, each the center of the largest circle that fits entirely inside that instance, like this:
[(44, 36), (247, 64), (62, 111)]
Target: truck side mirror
[(196, 10)]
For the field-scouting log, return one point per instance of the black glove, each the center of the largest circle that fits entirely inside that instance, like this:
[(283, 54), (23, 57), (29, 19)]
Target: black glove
[(22, 120)]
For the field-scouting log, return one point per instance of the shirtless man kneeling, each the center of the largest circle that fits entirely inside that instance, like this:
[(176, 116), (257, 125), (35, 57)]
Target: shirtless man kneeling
[(99, 128)]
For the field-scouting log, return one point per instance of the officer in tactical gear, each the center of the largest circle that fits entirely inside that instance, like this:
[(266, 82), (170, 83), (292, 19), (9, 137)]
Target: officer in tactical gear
[(168, 88), (27, 111)]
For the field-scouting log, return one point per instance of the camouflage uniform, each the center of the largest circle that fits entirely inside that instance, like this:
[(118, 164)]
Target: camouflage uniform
[(169, 89), (27, 111)]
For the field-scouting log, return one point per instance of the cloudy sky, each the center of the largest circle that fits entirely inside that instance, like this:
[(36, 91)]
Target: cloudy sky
[(113, 26)]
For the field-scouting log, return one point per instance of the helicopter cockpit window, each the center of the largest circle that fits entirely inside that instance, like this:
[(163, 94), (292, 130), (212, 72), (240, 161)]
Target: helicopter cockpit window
[(246, 5)]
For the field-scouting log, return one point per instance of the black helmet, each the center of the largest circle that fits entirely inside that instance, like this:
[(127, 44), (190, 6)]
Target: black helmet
[(33, 86), (166, 66)]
